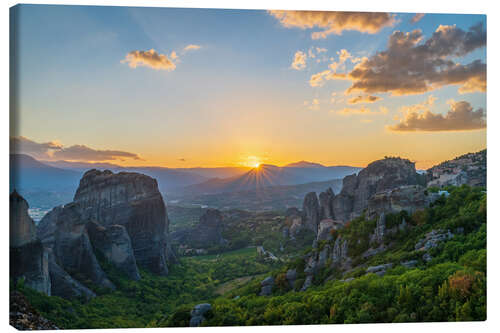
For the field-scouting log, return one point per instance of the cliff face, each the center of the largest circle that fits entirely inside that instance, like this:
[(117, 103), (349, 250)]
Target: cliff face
[(378, 176), (121, 217), (131, 200), (28, 258)]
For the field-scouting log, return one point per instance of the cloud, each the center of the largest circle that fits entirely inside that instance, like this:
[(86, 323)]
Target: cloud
[(23, 145), (56, 151), (410, 66), (417, 17), (84, 153), (299, 61), (362, 110), (460, 117), (333, 22), (316, 80), (419, 107), (151, 59), (364, 99), (192, 47)]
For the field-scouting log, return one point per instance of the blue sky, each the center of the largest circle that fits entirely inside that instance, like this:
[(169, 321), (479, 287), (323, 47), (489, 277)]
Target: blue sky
[(235, 97)]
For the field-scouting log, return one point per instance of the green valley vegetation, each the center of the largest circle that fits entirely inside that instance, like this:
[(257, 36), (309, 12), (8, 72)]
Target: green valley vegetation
[(448, 283)]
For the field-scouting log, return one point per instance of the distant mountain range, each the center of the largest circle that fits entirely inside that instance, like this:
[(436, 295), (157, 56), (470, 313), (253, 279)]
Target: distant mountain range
[(52, 183), (269, 175)]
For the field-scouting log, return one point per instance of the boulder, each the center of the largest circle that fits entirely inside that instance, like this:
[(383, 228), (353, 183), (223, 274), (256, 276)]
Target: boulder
[(113, 242), (291, 277), (409, 263), (267, 286), (379, 270), (198, 314)]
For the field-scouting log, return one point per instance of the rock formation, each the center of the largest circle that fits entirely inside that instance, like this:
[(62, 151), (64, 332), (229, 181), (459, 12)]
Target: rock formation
[(294, 223), (28, 258), (410, 198), (267, 286), (63, 285), (311, 211), (207, 233), (378, 176), (133, 201), (73, 250), (24, 317), (114, 243), (121, 217), (326, 204), (198, 314)]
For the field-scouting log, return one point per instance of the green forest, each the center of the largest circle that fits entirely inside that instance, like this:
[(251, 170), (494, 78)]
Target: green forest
[(449, 286)]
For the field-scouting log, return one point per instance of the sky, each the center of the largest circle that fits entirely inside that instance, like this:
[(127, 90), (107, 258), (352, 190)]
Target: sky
[(198, 87)]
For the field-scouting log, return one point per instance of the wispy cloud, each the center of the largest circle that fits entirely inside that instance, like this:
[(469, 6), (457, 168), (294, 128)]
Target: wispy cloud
[(56, 151), (192, 47), (333, 22), (364, 99), (299, 61), (361, 110)]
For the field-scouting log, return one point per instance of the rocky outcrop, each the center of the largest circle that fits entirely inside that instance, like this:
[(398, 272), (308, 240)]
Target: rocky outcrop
[(63, 285), (73, 250), (114, 243), (22, 227), (294, 223), (326, 204), (380, 270), (133, 201), (378, 176), (326, 228), (24, 317), (266, 286), (198, 314), (311, 211), (208, 232), (409, 198), (28, 258), (291, 277)]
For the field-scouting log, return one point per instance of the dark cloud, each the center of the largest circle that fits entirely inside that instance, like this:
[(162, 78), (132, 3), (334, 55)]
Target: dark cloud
[(23, 145), (460, 117), (56, 151), (410, 66), (333, 22), (364, 99)]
